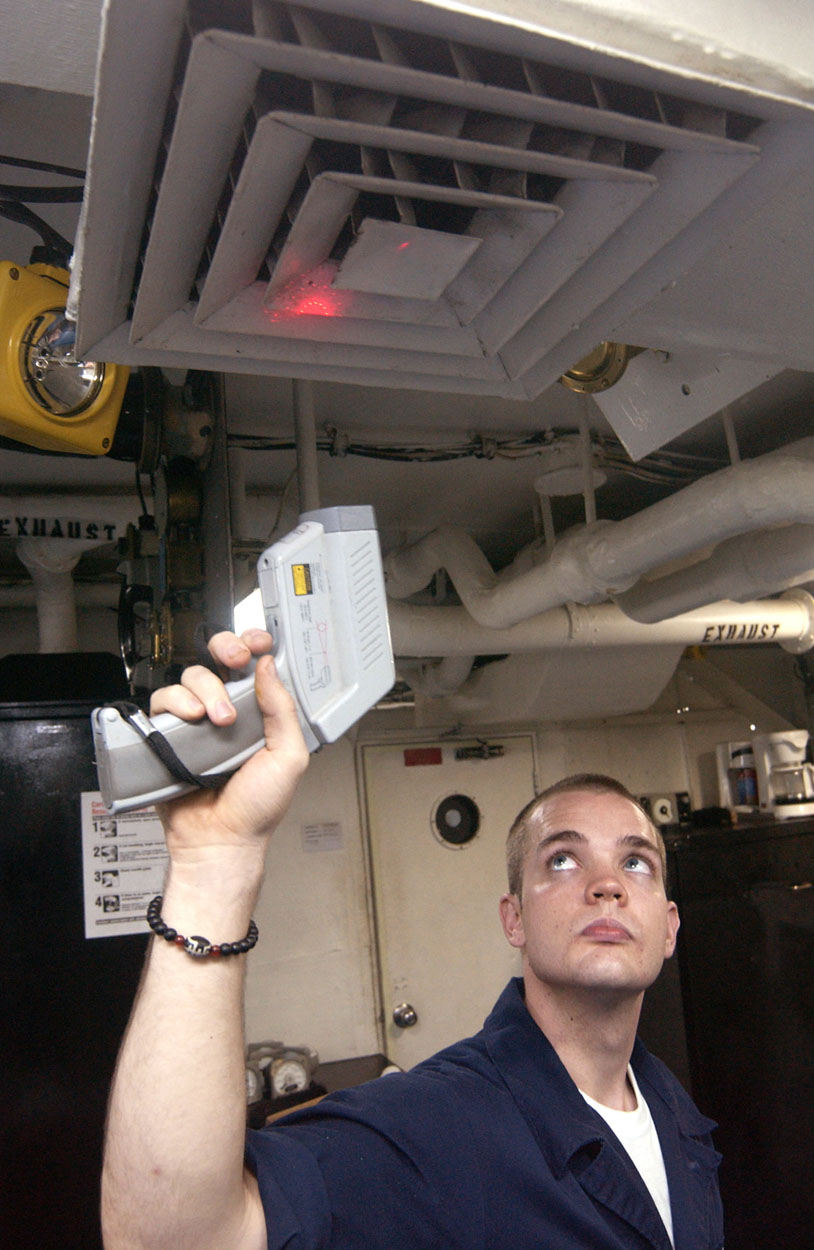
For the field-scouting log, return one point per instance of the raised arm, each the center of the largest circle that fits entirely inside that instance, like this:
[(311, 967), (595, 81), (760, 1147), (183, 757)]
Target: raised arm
[(173, 1172)]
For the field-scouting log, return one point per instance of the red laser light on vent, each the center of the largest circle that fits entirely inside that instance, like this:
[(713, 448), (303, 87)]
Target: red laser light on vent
[(310, 295), (316, 304)]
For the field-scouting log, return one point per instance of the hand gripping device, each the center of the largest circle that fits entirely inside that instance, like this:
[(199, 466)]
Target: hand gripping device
[(321, 597)]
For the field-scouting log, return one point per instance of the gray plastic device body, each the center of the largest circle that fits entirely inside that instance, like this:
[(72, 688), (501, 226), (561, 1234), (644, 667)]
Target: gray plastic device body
[(321, 597)]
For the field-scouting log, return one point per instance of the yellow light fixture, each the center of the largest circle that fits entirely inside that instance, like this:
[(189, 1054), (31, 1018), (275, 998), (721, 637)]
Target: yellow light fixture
[(47, 399)]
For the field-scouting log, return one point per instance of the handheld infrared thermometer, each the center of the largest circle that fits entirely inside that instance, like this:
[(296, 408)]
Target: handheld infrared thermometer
[(321, 596)]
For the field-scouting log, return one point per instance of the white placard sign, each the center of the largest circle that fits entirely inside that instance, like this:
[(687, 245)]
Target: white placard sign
[(322, 837), (124, 862)]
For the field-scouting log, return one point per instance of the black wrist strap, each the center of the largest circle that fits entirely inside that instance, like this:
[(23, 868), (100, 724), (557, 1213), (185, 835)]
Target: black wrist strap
[(158, 744)]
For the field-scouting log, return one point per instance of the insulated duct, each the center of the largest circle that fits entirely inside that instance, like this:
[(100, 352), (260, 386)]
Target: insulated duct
[(51, 562), (607, 558), (439, 677), (741, 568), (51, 533)]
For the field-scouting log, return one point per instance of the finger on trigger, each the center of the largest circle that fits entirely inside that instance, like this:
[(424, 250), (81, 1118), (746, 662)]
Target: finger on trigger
[(208, 688), (229, 650), (178, 700), (257, 640), (280, 721)]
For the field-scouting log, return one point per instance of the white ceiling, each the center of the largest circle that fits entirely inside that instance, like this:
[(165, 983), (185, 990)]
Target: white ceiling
[(751, 286), (52, 46), (747, 297)]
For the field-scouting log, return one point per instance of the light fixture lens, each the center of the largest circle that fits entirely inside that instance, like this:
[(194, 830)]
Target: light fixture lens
[(61, 385)]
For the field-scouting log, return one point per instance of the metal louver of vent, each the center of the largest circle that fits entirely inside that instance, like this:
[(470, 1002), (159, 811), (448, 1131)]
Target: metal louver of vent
[(346, 200)]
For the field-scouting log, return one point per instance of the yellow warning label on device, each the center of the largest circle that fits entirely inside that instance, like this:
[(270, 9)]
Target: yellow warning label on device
[(302, 578)]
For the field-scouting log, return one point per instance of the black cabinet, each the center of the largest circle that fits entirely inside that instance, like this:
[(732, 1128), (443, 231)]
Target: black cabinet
[(65, 1000), (740, 1006)]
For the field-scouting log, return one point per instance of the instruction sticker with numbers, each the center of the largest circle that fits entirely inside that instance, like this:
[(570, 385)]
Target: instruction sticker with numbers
[(124, 862)]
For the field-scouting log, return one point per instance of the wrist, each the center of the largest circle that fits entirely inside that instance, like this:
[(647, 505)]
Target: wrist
[(212, 893)]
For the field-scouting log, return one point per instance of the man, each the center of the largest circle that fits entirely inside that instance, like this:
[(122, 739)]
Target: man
[(551, 1128)]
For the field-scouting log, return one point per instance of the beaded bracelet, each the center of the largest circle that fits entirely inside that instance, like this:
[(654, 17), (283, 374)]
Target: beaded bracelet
[(198, 947)]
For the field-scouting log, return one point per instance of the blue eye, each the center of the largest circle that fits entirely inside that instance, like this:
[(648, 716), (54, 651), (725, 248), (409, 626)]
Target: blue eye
[(561, 860), (636, 864)]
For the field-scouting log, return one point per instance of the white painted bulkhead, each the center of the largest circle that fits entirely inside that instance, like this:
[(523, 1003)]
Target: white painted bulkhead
[(315, 977)]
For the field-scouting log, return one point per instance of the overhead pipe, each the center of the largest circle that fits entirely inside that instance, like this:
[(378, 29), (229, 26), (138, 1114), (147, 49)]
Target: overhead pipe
[(51, 562), (306, 439), (236, 469), (52, 532), (606, 559), (547, 520), (741, 568), (425, 631), (86, 595), (101, 518), (730, 435), (438, 677), (586, 460)]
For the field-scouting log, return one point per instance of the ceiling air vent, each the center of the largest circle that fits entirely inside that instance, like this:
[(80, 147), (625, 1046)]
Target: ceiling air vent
[(314, 193)]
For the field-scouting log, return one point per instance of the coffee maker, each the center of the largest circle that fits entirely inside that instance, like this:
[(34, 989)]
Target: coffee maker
[(737, 777), (785, 773)]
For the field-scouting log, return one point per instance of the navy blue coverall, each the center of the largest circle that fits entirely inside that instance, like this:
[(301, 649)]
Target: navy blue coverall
[(488, 1145)]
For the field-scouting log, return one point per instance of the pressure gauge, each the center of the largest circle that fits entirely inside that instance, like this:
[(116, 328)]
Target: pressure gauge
[(291, 1072), (288, 1076), (287, 1070), (255, 1084)]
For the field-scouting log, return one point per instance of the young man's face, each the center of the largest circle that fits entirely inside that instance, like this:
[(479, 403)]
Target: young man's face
[(593, 912)]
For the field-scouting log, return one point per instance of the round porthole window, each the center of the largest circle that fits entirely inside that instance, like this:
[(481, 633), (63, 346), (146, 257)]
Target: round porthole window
[(456, 819)]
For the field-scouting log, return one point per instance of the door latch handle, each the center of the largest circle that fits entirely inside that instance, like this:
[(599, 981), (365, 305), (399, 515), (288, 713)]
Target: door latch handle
[(404, 1016)]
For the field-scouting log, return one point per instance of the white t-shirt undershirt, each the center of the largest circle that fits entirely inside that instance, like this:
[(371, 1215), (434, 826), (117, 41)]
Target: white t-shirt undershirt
[(637, 1133)]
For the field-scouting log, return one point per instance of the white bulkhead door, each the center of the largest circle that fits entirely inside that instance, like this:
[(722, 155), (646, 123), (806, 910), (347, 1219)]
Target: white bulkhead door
[(438, 828)]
